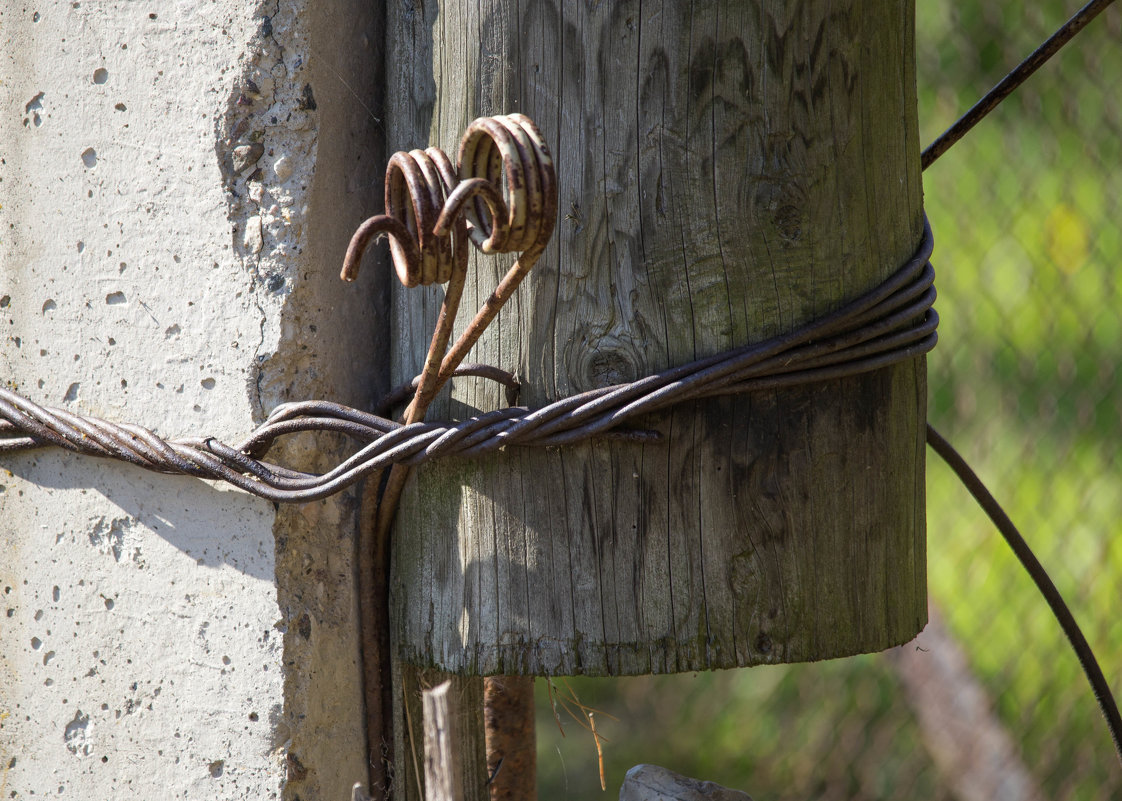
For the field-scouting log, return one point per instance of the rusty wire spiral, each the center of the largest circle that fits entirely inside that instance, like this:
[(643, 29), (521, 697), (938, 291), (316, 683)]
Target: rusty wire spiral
[(416, 186), (502, 198), (428, 237)]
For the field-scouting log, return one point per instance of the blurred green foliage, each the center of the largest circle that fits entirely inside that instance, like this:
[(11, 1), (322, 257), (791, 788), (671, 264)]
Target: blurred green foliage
[(1027, 214)]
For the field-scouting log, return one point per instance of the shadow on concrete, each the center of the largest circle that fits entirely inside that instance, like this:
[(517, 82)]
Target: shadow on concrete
[(211, 524)]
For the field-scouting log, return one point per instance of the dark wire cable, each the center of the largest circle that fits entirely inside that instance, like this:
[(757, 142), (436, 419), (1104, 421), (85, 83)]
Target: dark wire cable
[(1040, 577), (1010, 82)]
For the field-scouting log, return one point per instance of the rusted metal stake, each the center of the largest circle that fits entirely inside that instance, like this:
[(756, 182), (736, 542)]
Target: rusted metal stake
[(508, 715), (428, 208)]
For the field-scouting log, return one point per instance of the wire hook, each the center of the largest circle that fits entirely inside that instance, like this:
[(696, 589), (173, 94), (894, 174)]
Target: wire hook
[(503, 198)]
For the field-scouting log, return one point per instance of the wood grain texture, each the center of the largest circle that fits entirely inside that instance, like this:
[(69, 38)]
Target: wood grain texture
[(464, 697), (727, 171), (443, 757)]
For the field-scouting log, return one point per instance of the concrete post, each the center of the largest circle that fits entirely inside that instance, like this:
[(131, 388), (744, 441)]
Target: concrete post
[(177, 185)]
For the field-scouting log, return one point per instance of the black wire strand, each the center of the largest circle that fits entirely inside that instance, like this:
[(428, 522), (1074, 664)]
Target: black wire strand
[(1040, 577), (1007, 85)]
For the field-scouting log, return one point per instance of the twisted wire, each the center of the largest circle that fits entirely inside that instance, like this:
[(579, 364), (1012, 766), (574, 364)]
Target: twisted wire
[(891, 323)]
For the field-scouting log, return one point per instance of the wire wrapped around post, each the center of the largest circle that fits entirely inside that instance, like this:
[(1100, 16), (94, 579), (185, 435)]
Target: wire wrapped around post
[(891, 323)]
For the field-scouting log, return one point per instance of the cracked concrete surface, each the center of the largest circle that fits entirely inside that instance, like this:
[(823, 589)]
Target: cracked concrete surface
[(177, 185)]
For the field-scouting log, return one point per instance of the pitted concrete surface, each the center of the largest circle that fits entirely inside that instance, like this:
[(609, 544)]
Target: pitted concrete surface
[(176, 187)]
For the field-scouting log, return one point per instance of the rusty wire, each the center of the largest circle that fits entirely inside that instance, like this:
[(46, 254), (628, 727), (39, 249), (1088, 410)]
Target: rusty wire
[(891, 323), (432, 210), (431, 213), (502, 198)]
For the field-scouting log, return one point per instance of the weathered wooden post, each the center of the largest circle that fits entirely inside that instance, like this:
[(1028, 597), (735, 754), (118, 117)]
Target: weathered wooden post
[(728, 171)]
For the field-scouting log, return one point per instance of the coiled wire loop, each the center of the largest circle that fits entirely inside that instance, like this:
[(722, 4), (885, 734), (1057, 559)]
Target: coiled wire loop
[(502, 197)]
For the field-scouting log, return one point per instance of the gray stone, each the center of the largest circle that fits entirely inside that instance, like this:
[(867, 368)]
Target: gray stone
[(654, 783)]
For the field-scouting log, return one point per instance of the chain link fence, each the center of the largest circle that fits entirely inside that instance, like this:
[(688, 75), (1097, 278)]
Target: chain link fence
[(1027, 213)]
